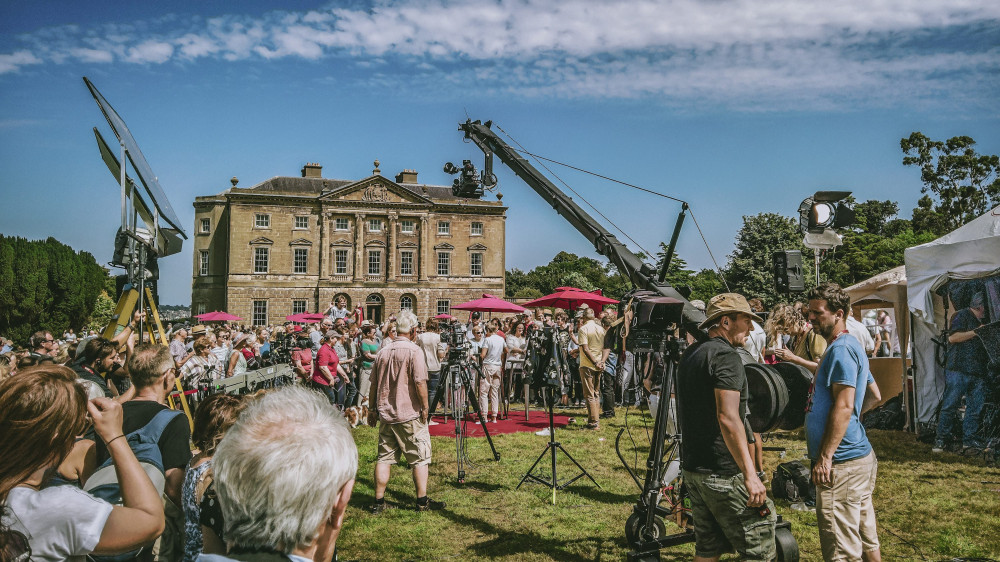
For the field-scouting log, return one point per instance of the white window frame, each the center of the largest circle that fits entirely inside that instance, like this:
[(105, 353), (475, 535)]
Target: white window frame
[(262, 220), (374, 225), (299, 306), (300, 219), (341, 220), (336, 262), (257, 314), (296, 252), (404, 262), (203, 263), (261, 254), (206, 226), (407, 226), (444, 228), (473, 258), (377, 262), (444, 259), (201, 309), (444, 306), (403, 305), (476, 228)]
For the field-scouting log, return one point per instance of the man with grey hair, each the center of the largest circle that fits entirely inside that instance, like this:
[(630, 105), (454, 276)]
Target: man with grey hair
[(284, 474), (399, 399)]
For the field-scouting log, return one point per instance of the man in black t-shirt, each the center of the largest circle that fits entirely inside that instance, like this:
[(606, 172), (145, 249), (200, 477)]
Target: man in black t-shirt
[(965, 375), (153, 373), (729, 502)]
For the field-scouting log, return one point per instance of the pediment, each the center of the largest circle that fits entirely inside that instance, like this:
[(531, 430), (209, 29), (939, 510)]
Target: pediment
[(476, 248), (300, 242), (261, 240), (341, 242), (375, 243), (444, 246), (377, 189), (407, 245)]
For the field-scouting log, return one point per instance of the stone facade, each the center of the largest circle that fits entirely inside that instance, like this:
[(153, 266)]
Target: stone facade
[(292, 244)]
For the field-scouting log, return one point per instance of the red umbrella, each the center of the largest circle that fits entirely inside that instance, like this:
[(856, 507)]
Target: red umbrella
[(305, 317), (570, 298), (217, 316), (444, 316), (489, 303)]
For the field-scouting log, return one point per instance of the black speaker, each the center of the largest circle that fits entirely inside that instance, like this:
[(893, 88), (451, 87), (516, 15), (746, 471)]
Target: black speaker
[(788, 274)]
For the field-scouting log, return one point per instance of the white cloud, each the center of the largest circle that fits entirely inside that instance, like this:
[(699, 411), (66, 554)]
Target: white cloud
[(150, 51), (759, 54), (14, 61)]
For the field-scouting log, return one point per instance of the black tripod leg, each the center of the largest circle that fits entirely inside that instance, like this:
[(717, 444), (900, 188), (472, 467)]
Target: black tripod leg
[(438, 393), (530, 473), (474, 400), (583, 470)]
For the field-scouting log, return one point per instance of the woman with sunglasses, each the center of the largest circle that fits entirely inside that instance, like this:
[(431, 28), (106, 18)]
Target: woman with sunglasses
[(42, 411)]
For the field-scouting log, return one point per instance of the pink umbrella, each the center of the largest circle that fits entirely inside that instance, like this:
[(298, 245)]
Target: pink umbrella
[(489, 303), (217, 316), (305, 317), (444, 316), (570, 298)]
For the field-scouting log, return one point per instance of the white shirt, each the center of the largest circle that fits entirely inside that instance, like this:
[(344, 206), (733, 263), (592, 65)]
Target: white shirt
[(755, 342), (494, 346), (430, 342), (859, 331), (61, 523)]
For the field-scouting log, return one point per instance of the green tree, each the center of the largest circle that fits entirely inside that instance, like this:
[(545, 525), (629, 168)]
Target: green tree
[(874, 216), (45, 285), (749, 268), (706, 284), (104, 308), (965, 183)]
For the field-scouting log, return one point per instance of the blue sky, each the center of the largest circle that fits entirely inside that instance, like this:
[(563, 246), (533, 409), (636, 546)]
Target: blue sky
[(737, 106)]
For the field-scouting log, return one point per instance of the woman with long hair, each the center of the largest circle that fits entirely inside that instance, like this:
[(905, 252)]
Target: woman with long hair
[(806, 347), (42, 411), (211, 421)]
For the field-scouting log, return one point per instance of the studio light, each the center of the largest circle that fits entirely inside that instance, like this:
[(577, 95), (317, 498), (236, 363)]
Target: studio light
[(823, 211)]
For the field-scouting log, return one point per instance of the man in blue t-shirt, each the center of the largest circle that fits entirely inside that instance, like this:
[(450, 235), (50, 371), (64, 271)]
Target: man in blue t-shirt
[(965, 375), (844, 464)]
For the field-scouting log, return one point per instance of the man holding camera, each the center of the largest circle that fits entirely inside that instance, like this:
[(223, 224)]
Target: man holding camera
[(728, 500)]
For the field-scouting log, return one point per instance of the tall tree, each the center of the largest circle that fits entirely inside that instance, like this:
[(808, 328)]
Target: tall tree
[(749, 267), (965, 183)]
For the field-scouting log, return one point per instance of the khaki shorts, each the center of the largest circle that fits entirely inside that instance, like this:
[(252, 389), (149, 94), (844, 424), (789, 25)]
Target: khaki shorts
[(722, 520), (844, 510), (409, 439)]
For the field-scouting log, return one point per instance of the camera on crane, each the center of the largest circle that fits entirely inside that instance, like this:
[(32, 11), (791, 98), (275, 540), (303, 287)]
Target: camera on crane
[(468, 183)]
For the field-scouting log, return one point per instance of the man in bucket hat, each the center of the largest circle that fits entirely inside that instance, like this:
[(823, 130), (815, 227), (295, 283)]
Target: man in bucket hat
[(728, 500)]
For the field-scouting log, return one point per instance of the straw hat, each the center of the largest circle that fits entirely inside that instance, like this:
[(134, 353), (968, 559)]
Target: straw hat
[(727, 303)]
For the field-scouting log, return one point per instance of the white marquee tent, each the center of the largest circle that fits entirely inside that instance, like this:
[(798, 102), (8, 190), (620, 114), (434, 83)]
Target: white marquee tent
[(969, 252)]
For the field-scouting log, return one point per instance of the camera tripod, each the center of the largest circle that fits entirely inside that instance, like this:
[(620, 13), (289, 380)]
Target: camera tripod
[(457, 377)]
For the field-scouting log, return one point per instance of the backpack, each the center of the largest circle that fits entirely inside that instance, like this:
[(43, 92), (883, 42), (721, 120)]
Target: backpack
[(792, 482), (104, 484)]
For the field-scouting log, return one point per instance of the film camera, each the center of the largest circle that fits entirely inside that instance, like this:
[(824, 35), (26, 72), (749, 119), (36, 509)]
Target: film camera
[(654, 317), (458, 346), (468, 183), (281, 351)]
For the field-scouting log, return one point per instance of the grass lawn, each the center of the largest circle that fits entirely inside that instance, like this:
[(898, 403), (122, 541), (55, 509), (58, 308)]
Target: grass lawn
[(929, 507)]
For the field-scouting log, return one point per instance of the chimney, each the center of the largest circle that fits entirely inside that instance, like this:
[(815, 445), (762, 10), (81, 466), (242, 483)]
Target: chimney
[(407, 176), (312, 170)]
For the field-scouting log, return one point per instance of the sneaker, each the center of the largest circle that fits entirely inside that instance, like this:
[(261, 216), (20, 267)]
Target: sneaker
[(938, 449), (543, 432), (971, 451), (431, 505), (378, 507), (593, 426), (607, 415)]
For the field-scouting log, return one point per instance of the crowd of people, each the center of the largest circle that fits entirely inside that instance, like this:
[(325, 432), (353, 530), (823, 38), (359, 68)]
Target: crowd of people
[(95, 463)]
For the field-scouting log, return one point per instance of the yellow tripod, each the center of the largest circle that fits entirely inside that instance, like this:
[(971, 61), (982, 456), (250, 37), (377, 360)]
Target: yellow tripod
[(152, 328)]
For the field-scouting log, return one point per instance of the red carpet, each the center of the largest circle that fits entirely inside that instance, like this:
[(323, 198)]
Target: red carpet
[(537, 420)]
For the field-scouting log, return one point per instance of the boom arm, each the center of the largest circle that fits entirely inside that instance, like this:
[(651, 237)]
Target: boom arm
[(641, 274)]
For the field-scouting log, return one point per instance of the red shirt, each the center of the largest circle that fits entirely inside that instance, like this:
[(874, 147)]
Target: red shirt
[(325, 357), (305, 356)]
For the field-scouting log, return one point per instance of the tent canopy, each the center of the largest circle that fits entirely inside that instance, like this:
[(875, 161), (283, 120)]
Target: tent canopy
[(967, 252)]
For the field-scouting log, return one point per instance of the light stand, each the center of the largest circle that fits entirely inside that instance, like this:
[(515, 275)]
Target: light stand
[(551, 448)]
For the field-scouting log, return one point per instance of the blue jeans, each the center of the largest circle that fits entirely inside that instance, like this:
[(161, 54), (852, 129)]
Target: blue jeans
[(958, 384), (329, 392)]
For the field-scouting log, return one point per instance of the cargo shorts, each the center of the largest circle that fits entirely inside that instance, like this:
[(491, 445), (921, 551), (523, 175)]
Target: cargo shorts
[(723, 522), (409, 439)]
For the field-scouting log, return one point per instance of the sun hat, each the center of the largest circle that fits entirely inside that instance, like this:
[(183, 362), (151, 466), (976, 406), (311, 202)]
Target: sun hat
[(727, 303)]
